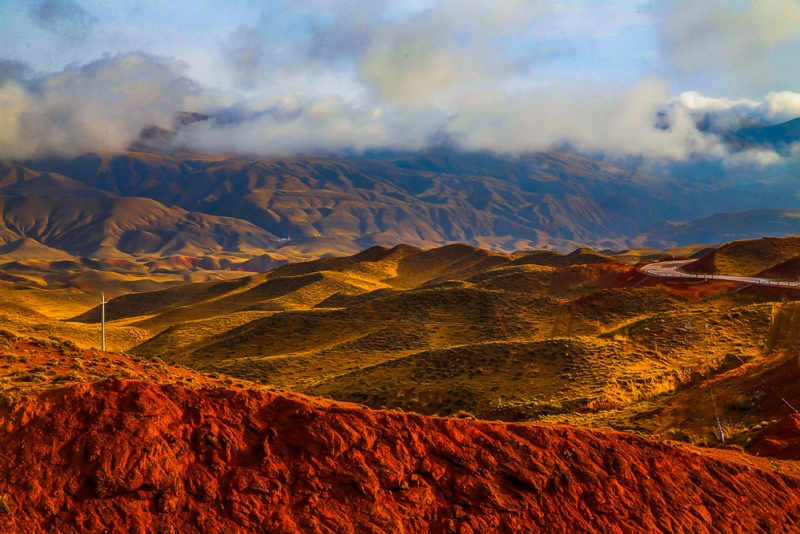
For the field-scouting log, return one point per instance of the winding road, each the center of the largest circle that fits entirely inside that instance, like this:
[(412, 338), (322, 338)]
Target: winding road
[(671, 269)]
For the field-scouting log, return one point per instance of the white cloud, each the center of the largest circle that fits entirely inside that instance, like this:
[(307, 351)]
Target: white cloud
[(349, 75), (101, 106), (694, 101), (758, 157), (752, 45), (613, 119), (782, 105), (454, 48), (104, 105), (329, 124), (728, 113)]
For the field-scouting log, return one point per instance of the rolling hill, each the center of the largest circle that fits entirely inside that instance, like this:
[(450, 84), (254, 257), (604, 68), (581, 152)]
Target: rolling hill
[(193, 428), (759, 257), (579, 337), (19, 181)]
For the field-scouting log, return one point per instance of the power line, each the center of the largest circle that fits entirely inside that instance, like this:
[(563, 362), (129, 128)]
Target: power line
[(103, 319)]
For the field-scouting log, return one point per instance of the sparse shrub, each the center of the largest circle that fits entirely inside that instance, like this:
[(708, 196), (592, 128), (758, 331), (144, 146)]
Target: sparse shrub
[(463, 414), (8, 399), (676, 434), (8, 336), (32, 377), (5, 504), (41, 343), (739, 404), (604, 403), (67, 346), (71, 376)]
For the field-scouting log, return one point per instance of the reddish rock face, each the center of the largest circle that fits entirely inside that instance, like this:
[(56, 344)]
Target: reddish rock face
[(781, 440), (129, 456)]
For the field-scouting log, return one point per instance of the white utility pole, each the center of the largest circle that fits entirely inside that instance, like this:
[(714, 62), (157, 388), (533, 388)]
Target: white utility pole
[(103, 318)]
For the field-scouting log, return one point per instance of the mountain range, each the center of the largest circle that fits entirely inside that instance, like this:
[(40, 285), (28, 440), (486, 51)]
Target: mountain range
[(150, 202), (189, 426)]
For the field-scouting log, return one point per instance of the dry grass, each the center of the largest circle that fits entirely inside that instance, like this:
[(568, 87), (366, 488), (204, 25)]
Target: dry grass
[(750, 258), (455, 330)]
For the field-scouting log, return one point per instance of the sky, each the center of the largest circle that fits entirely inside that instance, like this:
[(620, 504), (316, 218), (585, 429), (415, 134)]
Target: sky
[(304, 76)]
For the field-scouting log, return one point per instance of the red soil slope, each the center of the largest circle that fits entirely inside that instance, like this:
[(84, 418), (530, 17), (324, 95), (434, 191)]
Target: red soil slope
[(788, 270), (689, 288), (777, 387), (781, 440), (780, 395), (703, 289), (134, 456)]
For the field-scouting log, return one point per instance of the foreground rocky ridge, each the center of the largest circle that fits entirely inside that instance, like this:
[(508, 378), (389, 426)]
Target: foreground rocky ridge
[(164, 456)]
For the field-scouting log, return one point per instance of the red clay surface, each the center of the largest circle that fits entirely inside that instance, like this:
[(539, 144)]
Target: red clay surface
[(703, 289), (136, 456), (780, 395), (779, 386), (781, 440), (691, 289)]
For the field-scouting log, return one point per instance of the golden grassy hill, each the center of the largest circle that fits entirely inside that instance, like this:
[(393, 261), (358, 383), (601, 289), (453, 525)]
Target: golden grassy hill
[(30, 249), (528, 336), (788, 270), (51, 269), (748, 258), (517, 378), (40, 314), (303, 285), (359, 303)]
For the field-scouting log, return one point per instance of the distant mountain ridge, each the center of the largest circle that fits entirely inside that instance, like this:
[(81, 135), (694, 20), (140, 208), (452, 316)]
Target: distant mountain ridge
[(315, 205), (110, 227), (777, 136), (726, 227), (387, 202)]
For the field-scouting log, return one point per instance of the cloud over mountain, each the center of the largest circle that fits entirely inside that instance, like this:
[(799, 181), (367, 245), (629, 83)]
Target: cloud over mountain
[(99, 106), (338, 75)]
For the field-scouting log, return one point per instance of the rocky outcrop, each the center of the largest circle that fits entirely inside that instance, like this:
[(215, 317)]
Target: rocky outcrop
[(134, 456)]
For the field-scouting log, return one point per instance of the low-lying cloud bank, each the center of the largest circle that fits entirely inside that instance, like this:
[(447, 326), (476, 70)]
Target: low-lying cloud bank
[(101, 106), (104, 105)]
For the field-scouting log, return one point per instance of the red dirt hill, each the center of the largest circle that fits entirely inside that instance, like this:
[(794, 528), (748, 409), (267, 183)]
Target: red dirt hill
[(781, 440), (134, 456)]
